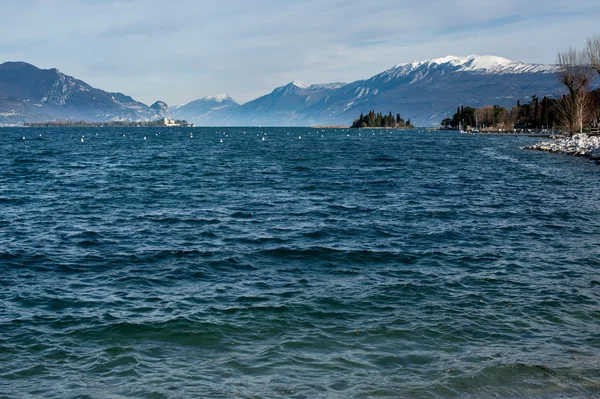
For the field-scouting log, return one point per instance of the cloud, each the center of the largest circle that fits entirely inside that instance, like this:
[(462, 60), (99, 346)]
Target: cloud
[(181, 50)]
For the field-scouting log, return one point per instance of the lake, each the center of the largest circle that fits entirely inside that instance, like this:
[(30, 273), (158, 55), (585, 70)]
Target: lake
[(296, 263)]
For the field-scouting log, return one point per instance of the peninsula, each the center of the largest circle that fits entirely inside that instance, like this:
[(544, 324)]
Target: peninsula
[(165, 122)]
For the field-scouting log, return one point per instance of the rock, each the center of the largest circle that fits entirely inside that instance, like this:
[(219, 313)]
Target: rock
[(579, 144)]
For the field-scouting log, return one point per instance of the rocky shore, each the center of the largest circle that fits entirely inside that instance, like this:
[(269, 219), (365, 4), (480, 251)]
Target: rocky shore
[(579, 144)]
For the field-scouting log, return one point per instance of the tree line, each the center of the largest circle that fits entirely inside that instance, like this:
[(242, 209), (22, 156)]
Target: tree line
[(373, 119), (537, 114)]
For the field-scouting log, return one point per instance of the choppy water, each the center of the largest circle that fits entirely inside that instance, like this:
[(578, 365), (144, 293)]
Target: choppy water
[(335, 265)]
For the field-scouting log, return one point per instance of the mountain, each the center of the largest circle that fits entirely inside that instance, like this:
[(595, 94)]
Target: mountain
[(295, 104), (206, 111), (424, 92), (161, 110), (30, 94)]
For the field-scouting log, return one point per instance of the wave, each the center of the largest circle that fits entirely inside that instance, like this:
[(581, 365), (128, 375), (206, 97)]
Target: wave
[(340, 255)]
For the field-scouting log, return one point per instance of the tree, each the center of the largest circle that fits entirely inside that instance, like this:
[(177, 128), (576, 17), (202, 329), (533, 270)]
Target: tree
[(468, 116), (501, 117), (592, 52), (545, 112), (576, 75), (456, 118), (536, 109)]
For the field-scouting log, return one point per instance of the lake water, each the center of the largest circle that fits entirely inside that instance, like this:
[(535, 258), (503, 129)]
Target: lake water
[(150, 263)]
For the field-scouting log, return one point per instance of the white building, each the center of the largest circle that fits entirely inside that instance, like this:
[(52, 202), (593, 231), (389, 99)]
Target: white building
[(170, 122)]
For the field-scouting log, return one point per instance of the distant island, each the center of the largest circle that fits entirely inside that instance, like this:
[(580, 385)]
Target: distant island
[(373, 120), (164, 122)]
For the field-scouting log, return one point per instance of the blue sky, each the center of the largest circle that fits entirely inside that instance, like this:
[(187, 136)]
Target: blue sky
[(181, 50)]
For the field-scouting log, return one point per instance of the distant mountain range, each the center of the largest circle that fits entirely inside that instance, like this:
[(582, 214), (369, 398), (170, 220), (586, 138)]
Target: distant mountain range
[(30, 94), (208, 111), (424, 92)]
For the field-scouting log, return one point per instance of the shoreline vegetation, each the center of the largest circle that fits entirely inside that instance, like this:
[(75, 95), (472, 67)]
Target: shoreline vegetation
[(536, 115)]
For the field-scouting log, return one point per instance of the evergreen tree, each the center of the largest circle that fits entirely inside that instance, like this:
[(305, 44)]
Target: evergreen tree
[(536, 104), (545, 119)]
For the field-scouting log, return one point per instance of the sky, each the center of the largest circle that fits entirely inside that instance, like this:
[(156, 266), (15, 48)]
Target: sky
[(181, 50)]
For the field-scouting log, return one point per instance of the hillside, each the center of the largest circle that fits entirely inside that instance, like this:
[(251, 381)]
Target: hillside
[(30, 94)]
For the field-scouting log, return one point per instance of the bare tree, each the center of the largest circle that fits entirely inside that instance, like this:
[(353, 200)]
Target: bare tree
[(574, 113), (592, 52), (575, 74), (486, 117)]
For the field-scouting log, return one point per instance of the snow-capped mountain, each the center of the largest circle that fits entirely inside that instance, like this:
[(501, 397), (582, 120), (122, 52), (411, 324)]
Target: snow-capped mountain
[(483, 64), (424, 91), (30, 94), (209, 110)]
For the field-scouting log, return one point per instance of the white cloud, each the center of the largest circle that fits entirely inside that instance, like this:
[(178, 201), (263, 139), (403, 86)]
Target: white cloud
[(181, 50)]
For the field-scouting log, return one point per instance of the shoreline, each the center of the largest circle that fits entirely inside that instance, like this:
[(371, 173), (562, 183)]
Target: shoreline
[(578, 145), (522, 134)]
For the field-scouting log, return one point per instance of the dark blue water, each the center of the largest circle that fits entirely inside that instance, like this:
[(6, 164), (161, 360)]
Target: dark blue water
[(342, 264)]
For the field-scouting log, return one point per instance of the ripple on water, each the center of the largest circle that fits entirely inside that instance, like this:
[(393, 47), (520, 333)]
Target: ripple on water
[(414, 264)]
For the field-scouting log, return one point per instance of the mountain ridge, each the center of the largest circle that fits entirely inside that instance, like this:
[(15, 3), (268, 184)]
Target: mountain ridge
[(487, 63), (31, 94), (424, 91)]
